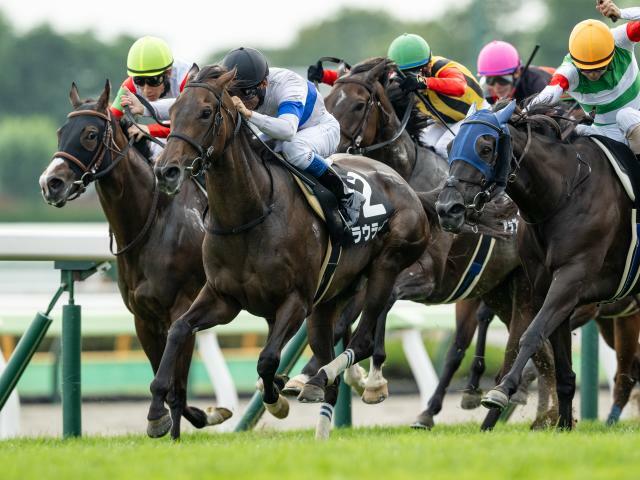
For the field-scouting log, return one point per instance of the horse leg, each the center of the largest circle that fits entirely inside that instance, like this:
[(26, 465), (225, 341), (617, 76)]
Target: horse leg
[(288, 319), (626, 332), (341, 330), (560, 301), (472, 394), (465, 328), (547, 411), (209, 309), (378, 292)]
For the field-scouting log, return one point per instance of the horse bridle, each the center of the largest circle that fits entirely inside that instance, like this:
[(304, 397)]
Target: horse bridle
[(203, 160), (356, 137), (92, 172)]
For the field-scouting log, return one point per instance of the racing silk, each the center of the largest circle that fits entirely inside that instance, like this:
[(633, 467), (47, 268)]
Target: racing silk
[(177, 79), (535, 79), (617, 89), (290, 104), (452, 90)]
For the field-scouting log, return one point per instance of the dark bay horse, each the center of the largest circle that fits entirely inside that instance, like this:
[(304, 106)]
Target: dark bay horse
[(264, 246), (577, 236), (369, 107), (160, 269)]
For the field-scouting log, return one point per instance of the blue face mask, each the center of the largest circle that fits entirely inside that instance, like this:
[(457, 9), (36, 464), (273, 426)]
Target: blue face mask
[(485, 123)]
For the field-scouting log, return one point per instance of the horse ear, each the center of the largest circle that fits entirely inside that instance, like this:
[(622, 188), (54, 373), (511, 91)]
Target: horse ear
[(505, 114), (376, 72), (225, 78), (193, 71), (473, 109), (103, 101), (74, 97)]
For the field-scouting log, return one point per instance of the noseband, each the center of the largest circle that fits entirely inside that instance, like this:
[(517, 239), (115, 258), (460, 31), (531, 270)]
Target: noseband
[(203, 160), (92, 172)]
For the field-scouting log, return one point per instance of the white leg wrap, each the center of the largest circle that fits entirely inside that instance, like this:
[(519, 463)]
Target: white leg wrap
[(354, 376), (338, 365), (375, 379), (323, 427)]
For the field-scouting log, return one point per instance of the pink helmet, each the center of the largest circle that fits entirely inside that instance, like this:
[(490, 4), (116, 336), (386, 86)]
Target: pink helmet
[(498, 58)]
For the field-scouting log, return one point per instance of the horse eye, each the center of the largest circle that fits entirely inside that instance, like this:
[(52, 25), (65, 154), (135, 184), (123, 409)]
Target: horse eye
[(358, 107), (91, 136), (205, 113), (485, 150)]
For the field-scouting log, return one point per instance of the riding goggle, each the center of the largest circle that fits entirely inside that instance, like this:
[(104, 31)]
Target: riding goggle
[(597, 70), (155, 81), (250, 92), (500, 80)]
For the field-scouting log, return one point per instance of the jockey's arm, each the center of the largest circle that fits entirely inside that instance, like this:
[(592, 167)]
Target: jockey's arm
[(450, 81), (329, 77), (630, 32), (116, 107), (283, 127)]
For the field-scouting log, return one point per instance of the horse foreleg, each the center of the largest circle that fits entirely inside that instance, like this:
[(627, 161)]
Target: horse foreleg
[(466, 324), (626, 332), (209, 309), (288, 319), (472, 393)]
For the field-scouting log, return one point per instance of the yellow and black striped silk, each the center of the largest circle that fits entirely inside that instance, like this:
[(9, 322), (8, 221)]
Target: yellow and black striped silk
[(452, 109)]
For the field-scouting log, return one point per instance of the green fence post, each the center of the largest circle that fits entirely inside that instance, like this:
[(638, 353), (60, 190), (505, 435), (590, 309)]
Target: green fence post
[(71, 348), (290, 355), (589, 372), (342, 414), (21, 356)]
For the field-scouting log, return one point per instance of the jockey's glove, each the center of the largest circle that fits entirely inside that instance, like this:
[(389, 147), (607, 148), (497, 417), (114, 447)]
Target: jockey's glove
[(315, 73), (411, 83)]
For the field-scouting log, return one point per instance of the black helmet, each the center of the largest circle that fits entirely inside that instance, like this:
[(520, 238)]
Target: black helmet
[(251, 64)]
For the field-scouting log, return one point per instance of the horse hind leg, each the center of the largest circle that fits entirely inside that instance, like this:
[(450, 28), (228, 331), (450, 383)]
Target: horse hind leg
[(472, 394), (547, 411), (376, 389)]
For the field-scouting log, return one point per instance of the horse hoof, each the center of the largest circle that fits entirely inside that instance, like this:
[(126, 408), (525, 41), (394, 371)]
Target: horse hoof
[(160, 427), (311, 394), (280, 409), (294, 386), (520, 397), (217, 415), (374, 395), (545, 421), (471, 399), (495, 399), (354, 377), (423, 422)]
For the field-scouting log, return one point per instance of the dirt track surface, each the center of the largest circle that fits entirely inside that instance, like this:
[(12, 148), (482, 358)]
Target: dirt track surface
[(118, 418)]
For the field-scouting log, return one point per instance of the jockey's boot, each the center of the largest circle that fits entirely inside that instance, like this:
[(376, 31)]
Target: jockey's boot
[(633, 136), (349, 200)]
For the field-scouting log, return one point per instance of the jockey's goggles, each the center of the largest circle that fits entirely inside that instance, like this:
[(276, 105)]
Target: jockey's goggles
[(500, 80), (154, 81), (595, 70)]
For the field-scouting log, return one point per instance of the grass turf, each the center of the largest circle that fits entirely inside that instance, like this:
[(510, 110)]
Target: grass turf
[(511, 452)]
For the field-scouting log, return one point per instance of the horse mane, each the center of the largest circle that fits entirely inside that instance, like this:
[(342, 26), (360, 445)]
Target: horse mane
[(400, 101), (369, 63), (539, 116), (209, 72)]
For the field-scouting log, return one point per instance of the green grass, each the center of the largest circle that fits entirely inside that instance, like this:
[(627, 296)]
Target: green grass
[(458, 452)]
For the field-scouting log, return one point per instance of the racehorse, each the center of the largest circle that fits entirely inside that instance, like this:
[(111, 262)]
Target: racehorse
[(160, 260), (369, 107), (264, 246), (577, 213)]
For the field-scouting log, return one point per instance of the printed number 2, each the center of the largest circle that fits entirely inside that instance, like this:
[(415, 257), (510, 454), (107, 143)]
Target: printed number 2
[(368, 210)]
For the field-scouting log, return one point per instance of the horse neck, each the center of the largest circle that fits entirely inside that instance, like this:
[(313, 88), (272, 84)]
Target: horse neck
[(238, 185), (543, 177), (400, 154), (126, 192)]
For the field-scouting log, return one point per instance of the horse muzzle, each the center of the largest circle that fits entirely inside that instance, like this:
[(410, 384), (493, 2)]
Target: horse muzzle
[(55, 189), (451, 210), (169, 178)]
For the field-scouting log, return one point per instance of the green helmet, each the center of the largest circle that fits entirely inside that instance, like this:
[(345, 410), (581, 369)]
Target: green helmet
[(409, 51), (149, 56)]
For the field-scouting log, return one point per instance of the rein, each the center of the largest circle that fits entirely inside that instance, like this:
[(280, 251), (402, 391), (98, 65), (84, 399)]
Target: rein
[(92, 172), (356, 138)]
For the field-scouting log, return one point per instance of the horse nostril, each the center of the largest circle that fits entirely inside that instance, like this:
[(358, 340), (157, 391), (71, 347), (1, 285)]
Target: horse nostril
[(55, 184), (457, 209)]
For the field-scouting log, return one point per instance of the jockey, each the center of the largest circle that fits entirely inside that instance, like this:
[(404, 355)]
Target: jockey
[(448, 86), (156, 76), (600, 72), (288, 109), (502, 72)]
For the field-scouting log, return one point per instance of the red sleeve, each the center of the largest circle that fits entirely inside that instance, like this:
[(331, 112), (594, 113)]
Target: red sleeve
[(184, 81), (561, 80), (116, 108), (633, 31), (329, 77), (157, 130), (449, 81)]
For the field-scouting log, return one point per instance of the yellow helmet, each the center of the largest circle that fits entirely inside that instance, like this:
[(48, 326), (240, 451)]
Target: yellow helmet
[(148, 57), (591, 45)]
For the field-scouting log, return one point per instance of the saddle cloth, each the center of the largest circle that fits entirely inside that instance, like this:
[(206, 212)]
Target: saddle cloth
[(627, 169)]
